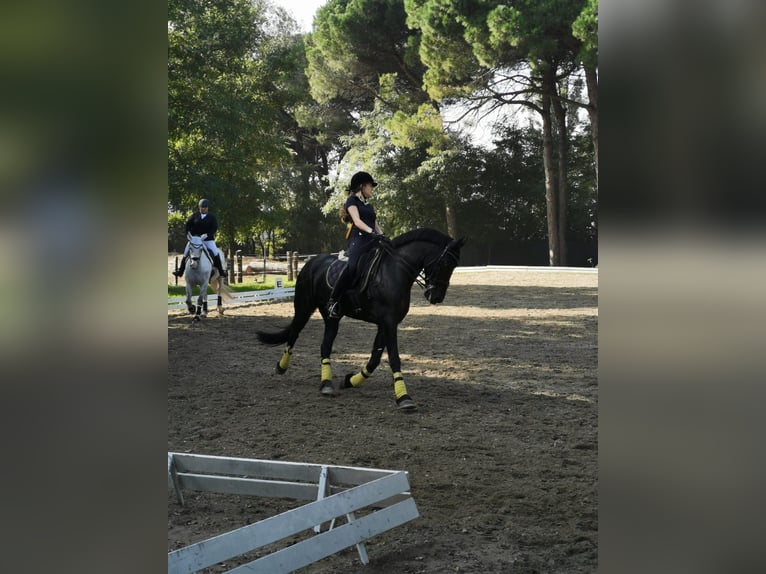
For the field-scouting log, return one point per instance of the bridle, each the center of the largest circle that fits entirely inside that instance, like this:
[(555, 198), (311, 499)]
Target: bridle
[(200, 247), (430, 270), (425, 276)]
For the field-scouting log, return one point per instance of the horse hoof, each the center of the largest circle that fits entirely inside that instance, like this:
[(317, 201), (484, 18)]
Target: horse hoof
[(326, 389), (220, 310), (347, 381), (279, 370), (196, 318), (405, 403)]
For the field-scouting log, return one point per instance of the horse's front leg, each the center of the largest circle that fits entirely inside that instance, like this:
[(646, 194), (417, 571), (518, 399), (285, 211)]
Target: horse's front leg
[(219, 301), (359, 378), (202, 301), (330, 332), (403, 400), (189, 304)]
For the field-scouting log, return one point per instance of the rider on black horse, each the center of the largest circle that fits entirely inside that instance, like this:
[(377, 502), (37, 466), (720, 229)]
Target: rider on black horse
[(363, 234), (199, 223)]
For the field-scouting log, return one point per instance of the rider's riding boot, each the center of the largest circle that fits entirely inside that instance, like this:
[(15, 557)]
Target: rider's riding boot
[(180, 271), (353, 296), (333, 304), (217, 263)]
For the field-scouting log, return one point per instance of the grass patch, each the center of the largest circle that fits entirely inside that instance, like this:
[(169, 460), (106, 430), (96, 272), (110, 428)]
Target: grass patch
[(246, 285)]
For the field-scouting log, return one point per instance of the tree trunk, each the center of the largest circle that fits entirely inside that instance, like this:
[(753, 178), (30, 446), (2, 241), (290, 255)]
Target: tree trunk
[(230, 244), (591, 80), (562, 143), (449, 212), (548, 89)]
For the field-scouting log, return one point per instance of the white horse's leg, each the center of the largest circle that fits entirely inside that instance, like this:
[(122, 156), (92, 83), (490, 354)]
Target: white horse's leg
[(203, 299), (217, 285), (189, 305)]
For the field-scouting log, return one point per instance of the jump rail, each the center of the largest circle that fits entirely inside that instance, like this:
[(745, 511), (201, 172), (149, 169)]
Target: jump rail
[(336, 491)]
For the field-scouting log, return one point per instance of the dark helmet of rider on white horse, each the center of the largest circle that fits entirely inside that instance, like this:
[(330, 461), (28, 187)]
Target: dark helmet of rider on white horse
[(204, 203), (359, 178)]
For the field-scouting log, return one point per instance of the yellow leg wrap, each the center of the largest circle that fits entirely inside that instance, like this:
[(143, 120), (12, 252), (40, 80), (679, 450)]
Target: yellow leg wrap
[(399, 389), (326, 370), (359, 378), (284, 362)]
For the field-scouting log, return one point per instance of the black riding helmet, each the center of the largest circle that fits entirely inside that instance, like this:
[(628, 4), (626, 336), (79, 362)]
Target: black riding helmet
[(204, 203), (359, 178)]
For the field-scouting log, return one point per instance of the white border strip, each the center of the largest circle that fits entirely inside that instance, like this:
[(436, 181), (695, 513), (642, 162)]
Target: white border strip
[(268, 295), (541, 269)]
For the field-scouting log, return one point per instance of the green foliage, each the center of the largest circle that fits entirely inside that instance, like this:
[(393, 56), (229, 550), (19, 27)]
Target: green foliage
[(356, 42), (413, 130), (176, 232), (221, 108), (583, 197), (585, 29), (270, 125)]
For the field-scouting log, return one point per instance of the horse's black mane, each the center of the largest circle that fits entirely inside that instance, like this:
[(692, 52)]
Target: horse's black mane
[(422, 234)]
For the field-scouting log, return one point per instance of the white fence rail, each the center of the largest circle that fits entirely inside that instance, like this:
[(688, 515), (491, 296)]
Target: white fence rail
[(337, 491), (265, 296)]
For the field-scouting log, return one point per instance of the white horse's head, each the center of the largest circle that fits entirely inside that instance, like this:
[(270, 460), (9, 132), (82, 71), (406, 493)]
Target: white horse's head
[(196, 245)]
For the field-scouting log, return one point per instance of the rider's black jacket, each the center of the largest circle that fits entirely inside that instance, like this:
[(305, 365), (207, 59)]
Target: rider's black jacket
[(196, 225)]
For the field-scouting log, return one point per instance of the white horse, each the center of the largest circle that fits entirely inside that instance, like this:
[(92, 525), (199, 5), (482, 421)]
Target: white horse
[(201, 272)]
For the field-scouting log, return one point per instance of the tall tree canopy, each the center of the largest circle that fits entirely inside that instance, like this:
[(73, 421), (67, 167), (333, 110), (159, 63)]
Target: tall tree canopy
[(364, 56), (498, 53), (270, 124), (221, 135), (354, 43)]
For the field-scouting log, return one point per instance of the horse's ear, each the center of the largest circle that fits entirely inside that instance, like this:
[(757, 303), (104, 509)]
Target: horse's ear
[(456, 244)]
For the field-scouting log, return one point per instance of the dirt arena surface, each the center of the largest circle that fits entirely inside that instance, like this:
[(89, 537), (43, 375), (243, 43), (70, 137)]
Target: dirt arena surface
[(501, 453)]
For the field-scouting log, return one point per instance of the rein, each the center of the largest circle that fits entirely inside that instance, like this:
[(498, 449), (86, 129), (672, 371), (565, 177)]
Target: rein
[(203, 248), (445, 251), (411, 271), (420, 276)]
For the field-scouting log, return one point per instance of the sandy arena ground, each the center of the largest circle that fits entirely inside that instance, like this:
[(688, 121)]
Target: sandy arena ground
[(501, 454)]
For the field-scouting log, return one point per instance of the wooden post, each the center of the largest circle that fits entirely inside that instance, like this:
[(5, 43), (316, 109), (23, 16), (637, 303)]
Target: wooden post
[(289, 265), (295, 265), (239, 266), (176, 276), (230, 268)]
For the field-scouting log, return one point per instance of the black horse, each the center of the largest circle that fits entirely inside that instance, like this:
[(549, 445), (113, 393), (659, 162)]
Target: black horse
[(384, 301)]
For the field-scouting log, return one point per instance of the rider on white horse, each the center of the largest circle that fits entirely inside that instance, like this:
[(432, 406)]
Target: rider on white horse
[(199, 223)]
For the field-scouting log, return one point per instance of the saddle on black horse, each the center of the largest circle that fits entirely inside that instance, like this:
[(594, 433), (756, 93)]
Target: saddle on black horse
[(366, 268)]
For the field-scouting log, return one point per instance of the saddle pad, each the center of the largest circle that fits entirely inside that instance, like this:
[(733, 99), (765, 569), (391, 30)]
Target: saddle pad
[(367, 266), (334, 271)]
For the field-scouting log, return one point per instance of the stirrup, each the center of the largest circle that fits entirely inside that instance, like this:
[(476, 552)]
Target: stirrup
[(333, 309), (178, 273)]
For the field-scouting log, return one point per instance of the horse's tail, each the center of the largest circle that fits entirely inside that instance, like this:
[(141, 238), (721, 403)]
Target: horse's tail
[(274, 338), (225, 291), (304, 303)]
